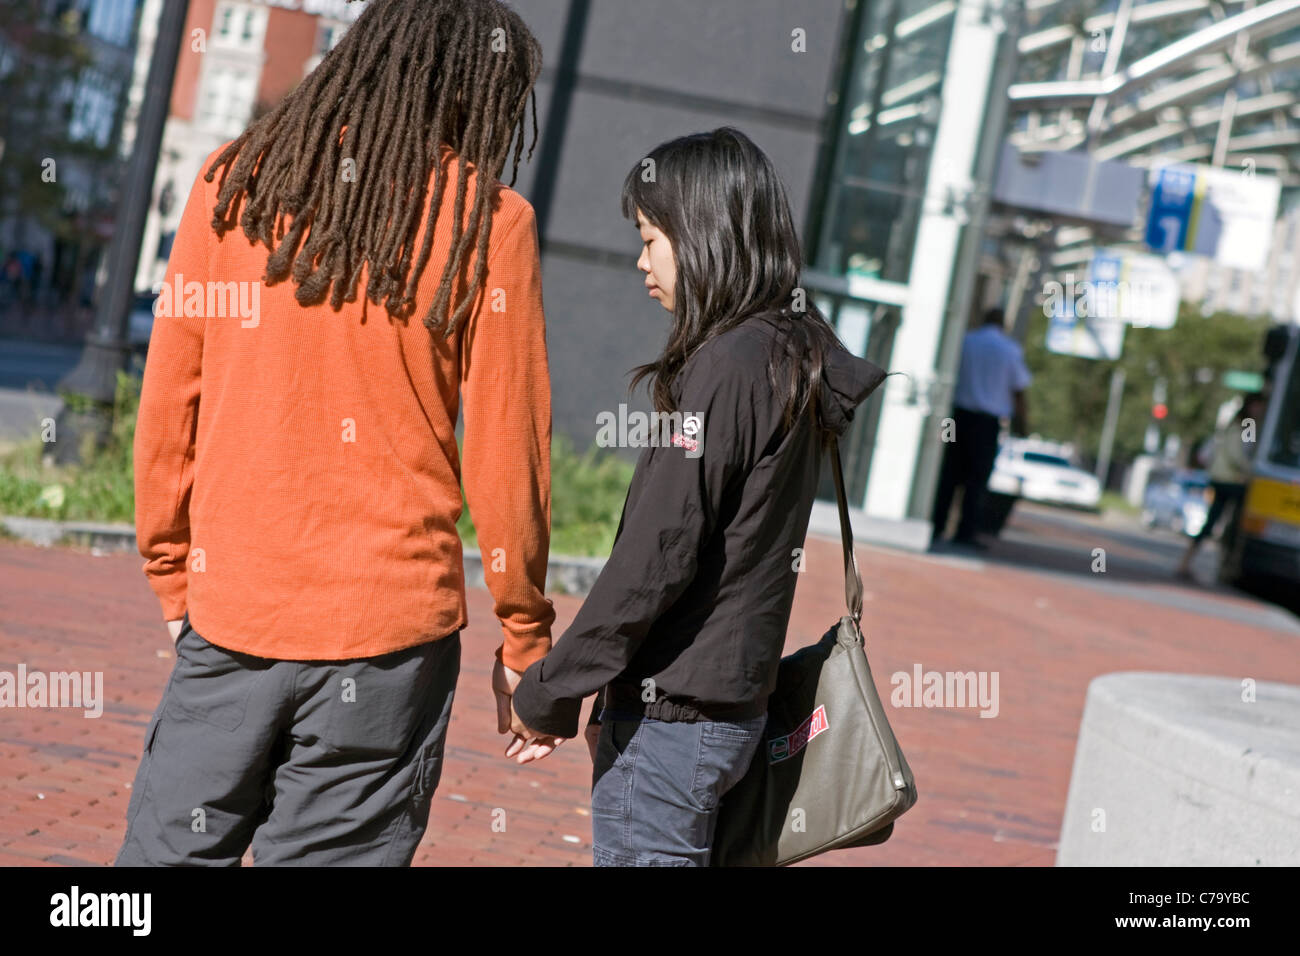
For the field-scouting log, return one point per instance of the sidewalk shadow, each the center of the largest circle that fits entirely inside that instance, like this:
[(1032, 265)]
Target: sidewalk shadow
[(1070, 543)]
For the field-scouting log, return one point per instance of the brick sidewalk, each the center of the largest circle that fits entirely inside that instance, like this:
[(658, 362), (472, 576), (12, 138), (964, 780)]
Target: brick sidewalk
[(991, 790)]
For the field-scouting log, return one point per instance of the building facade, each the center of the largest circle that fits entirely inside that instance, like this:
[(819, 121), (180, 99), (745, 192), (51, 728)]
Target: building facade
[(82, 79), (876, 113), (1273, 291), (238, 59)]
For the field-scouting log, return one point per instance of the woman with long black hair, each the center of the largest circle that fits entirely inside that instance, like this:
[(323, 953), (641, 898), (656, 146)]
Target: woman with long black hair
[(685, 626)]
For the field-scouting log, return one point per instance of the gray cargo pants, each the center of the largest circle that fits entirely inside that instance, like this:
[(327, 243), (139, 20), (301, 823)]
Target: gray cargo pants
[(312, 762)]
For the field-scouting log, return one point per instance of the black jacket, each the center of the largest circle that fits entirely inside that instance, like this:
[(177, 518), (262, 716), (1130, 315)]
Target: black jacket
[(697, 591)]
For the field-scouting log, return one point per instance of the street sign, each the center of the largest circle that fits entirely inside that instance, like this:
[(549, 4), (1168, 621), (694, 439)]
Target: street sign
[(1071, 183), (1134, 287), (1243, 381), (1087, 318), (1091, 337), (1225, 214)]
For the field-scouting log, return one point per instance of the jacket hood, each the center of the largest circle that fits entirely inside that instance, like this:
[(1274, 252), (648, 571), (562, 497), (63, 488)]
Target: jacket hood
[(846, 382)]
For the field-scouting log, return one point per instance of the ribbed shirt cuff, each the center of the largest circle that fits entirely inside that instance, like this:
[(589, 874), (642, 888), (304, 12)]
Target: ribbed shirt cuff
[(523, 646)]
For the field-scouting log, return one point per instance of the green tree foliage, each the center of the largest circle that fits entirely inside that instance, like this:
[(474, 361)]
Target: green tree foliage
[(1067, 401), (40, 60), (100, 489)]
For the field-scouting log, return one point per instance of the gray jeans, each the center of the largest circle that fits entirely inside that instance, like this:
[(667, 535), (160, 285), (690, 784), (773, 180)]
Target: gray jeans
[(656, 786), (310, 762)]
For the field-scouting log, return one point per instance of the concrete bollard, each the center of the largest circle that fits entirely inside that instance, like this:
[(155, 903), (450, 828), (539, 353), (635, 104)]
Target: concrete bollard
[(1185, 770)]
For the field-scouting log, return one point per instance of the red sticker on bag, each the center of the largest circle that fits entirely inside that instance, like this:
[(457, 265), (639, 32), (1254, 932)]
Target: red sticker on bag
[(783, 748)]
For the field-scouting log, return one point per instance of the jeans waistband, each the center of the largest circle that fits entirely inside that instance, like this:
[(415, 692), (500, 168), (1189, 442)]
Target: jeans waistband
[(626, 699)]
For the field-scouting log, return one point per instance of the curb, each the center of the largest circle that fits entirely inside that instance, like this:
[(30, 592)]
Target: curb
[(87, 534), (565, 574)]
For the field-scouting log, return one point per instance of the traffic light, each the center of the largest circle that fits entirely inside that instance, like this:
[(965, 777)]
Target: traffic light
[(1159, 412)]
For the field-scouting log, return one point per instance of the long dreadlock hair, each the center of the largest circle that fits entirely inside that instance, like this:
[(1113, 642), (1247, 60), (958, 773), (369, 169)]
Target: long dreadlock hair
[(408, 78)]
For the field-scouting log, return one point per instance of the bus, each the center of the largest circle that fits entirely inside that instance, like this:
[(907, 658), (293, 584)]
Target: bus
[(1262, 543)]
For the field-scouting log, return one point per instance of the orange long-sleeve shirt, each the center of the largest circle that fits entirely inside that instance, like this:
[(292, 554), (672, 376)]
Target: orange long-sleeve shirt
[(297, 477)]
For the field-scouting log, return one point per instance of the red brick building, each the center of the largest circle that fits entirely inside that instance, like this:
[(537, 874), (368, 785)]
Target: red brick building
[(237, 60)]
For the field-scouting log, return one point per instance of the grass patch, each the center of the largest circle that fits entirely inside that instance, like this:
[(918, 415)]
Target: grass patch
[(587, 493), (1114, 501), (587, 490), (100, 489)]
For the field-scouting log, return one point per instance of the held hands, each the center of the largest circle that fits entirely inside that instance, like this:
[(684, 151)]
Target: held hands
[(529, 745), (504, 682), (525, 745)]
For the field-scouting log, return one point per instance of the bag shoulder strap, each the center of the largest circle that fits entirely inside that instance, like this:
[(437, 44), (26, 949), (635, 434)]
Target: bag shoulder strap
[(852, 579)]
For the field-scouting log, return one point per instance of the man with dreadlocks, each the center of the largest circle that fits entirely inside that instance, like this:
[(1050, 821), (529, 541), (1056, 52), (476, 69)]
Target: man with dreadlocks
[(297, 470)]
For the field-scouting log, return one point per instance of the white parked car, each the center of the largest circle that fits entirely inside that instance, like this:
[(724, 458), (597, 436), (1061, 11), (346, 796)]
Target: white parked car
[(1041, 472), (1176, 500)]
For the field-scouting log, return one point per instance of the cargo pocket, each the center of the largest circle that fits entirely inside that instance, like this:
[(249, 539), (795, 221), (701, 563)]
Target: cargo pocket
[(375, 706), (140, 787), (212, 685), (428, 773)]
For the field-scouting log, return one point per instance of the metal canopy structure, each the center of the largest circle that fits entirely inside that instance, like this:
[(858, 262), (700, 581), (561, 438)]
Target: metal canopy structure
[(1155, 82)]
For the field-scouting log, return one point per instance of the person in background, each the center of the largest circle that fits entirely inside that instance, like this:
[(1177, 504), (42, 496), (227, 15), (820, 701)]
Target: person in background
[(1229, 469), (10, 279), (991, 384)]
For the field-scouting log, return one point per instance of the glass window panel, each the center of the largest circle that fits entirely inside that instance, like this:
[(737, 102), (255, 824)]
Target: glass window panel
[(875, 196)]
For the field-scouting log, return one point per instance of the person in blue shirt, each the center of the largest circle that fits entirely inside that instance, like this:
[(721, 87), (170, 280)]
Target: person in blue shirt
[(991, 384)]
